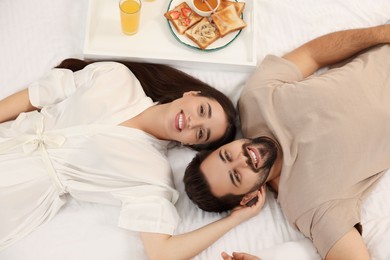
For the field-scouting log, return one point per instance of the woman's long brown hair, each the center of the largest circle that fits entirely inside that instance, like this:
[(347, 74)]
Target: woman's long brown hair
[(164, 84)]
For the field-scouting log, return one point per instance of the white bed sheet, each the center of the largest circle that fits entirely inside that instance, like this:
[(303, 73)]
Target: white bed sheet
[(37, 35)]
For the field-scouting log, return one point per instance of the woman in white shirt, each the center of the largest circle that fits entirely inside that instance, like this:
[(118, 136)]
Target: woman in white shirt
[(98, 131)]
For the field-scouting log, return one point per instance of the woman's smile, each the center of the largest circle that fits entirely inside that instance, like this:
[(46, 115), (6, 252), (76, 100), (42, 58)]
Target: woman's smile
[(180, 121)]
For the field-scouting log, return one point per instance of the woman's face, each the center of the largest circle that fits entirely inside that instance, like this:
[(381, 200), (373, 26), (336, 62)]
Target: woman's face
[(194, 119)]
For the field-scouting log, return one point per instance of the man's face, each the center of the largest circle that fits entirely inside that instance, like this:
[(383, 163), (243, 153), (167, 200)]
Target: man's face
[(237, 167)]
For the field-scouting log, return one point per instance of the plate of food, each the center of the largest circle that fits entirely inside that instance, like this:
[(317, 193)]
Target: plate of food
[(206, 33)]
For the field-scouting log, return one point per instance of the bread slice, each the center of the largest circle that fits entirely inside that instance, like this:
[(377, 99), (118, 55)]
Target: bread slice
[(182, 17), (227, 20), (240, 6), (203, 33)]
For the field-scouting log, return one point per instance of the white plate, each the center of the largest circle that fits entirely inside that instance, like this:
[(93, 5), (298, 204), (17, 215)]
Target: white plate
[(217, 45), (154, 41)]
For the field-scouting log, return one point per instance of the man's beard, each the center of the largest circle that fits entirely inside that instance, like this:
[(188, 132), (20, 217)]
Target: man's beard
[(269, 149)]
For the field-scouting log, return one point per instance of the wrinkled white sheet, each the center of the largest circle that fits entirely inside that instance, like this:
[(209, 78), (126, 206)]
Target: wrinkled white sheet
[(37, 35)]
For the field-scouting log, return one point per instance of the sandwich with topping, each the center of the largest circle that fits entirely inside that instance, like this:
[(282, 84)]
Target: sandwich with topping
[(202, 30), (203, 33), (182, 17)]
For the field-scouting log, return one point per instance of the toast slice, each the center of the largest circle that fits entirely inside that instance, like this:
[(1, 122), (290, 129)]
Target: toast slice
[(227, 20), (240, 6), (203, 33), (182, 17)]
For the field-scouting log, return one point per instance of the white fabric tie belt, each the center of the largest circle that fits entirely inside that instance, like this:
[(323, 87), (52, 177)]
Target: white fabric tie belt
[(40, 141)]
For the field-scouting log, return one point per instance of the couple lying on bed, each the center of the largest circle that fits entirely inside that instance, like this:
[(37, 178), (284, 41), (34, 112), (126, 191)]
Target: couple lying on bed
[(99, 132)]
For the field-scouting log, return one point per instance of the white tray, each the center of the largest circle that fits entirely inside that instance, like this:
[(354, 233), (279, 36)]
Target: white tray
[(155, 42)]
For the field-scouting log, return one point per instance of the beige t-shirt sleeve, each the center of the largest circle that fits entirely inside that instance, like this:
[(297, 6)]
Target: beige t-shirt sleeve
[(327, 223), (272, 71), (257, 96)]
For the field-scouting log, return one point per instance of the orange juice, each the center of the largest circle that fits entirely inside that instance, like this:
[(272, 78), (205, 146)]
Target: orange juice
[(130, 11), (203, 6)]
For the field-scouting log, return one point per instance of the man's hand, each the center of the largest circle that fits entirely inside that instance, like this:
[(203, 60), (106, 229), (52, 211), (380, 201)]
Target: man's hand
[(239, 256), (243, 213)]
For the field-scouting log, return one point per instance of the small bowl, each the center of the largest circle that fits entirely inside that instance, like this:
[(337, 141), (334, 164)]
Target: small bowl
[(202, 9)]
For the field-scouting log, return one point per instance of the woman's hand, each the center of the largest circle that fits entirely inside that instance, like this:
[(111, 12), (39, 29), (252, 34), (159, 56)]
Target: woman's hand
[(243, 213), (188, 245), (13, 105), (239, 256)]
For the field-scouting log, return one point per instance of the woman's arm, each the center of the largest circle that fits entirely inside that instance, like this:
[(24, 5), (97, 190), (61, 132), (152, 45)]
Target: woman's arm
[(13, 105), (188, 245), (335, 47)]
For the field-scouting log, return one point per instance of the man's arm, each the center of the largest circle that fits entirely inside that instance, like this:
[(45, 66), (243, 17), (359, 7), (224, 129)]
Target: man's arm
[(350, 246), (335, 47), (238, 256), (12, 106)]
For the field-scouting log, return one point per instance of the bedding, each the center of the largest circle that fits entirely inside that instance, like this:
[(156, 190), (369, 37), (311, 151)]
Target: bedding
[(37, 35)]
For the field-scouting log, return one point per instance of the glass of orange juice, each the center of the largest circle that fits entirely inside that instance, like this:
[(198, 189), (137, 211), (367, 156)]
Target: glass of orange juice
[(130, 11)]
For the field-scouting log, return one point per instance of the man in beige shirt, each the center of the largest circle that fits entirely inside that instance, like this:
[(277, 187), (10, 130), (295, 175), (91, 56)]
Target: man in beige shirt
[(320, 141)]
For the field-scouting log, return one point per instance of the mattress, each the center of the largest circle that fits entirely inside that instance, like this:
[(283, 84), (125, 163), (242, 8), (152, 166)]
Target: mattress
[(37, 35)]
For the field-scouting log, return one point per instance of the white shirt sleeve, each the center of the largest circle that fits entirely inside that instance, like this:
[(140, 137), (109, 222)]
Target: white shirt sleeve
[(58, 84), (55, 86), (149, 208)]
